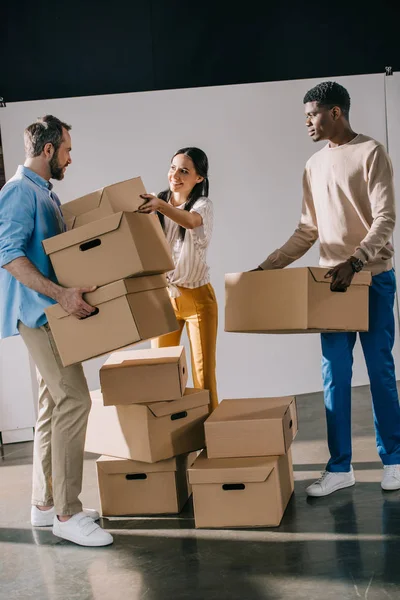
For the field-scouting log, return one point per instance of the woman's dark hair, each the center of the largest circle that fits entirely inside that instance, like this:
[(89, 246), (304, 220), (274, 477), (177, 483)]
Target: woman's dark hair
[(200, 162)]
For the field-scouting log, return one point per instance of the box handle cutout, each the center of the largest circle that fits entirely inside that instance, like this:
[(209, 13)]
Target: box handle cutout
[(291, 424), (132, 476), (179, 415), (183, 370), (95, 312), (89, 245), (233, 486)]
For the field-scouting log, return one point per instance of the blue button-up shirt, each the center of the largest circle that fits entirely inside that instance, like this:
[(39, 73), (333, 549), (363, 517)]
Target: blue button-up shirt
[(29, 213)]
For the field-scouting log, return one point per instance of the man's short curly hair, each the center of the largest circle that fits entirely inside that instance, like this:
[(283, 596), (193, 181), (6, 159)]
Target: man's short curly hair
[(45, 130), (330, 94)]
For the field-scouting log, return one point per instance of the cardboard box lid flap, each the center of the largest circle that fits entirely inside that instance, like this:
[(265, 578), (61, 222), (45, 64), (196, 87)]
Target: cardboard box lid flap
[(193, 398), (151, 356), (233, 278), (145, 283), (231, 470), (120, 466), (96, 298), (125, 195), (318, 273), (141, 362), (76, 207), (251, 409), (82, 234)]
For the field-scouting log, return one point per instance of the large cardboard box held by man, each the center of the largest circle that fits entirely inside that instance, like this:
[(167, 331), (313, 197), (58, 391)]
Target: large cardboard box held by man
[(241, 492), (128, 487), (121, 245), (127, 312), (251, 427), (148, 432), (118, 197), (294, 301), (143, 376)]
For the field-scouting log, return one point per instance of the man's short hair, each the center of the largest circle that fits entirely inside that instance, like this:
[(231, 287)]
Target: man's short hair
[(330, 94), (46, 130)]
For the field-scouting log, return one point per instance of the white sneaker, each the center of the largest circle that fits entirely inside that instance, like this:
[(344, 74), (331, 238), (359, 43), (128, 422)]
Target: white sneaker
[(82, 530), (391, 478), (45, 518), (331, 482)]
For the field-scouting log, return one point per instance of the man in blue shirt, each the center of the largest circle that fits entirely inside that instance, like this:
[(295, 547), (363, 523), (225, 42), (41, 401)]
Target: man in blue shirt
[(29, 213)]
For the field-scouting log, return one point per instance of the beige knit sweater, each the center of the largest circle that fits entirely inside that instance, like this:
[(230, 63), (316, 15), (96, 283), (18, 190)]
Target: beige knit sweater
[(348, 203)]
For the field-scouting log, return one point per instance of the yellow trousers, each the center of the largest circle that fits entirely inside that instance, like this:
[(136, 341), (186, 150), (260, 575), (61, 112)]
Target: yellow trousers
[(199, 310)]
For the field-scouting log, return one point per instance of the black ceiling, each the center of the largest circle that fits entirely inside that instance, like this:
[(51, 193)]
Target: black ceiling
[(79, 48)]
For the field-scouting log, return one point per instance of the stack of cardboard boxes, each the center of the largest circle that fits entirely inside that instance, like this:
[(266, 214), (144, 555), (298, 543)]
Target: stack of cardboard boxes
[(245, 477), (145, 422), (124, 254), (148, 427)]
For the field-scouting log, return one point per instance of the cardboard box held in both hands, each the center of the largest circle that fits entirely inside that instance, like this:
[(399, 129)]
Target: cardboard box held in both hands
[(251, 427), (148, 432), (128, 487), (241, 492), (143, 376), (127, 312), (294, 301), (118, 197), (115, 247)]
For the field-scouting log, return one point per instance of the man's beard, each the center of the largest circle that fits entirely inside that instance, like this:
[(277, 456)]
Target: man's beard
[(56, 170)]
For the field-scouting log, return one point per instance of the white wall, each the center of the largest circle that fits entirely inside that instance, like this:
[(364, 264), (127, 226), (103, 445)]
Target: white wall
[(257, 145), (18, 391), (393, 123)]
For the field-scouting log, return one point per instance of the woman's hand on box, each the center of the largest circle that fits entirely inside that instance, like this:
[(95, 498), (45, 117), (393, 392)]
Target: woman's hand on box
[(152, 204)]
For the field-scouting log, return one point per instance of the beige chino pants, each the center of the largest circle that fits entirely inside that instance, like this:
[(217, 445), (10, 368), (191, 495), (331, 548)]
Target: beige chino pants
[(64, 405)]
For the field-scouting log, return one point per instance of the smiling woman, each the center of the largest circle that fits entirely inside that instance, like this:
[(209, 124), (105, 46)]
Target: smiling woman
[(186, 215)]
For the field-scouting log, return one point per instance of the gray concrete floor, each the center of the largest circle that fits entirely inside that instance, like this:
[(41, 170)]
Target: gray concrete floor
[(341, 547)]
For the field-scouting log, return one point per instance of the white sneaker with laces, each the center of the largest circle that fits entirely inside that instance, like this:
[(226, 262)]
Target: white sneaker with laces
[(81, 530), (45, 518), (331, 482), (391, 478)]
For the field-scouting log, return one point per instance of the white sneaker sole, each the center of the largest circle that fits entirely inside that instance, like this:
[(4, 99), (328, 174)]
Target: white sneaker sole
[(336, 488), (80, 541), (390, 489), (41, 524), (50, 521)]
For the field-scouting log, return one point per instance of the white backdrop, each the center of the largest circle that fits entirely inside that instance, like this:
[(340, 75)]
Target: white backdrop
[(257, 145), (393, 129)]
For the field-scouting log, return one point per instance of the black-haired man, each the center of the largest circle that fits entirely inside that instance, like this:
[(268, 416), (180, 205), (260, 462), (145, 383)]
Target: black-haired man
[(348, 204)]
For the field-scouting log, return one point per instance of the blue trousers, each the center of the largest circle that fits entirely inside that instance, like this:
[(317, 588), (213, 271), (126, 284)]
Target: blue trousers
[(337, 370)]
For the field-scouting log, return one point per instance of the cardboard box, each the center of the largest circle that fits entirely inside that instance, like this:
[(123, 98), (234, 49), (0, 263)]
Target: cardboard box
[(128, 311), (119, 197), (143, 376), (121, 245), (251, 427), (148, 432), (128, 487), (241, 492), (294, 301)]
